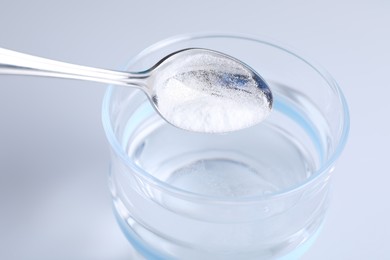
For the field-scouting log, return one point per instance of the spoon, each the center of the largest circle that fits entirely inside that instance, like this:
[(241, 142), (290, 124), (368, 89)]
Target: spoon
[(194, 89)]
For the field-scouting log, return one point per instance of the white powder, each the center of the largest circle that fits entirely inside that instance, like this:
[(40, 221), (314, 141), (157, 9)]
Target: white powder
[(211, 94)]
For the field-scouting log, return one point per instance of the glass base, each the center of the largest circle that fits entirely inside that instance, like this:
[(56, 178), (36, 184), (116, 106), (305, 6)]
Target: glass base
[(144, 252)]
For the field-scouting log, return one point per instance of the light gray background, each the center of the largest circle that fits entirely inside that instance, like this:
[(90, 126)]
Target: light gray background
[(54, 201)]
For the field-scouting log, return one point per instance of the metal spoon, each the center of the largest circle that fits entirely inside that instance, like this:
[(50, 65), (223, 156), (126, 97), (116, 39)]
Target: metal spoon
[(194, 89)]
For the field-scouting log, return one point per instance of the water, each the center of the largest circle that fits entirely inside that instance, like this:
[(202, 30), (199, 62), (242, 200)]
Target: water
[(243, 166), (260, 160)]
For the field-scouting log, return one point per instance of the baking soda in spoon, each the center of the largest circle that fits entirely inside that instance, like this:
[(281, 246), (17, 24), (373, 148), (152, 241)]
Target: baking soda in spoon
[(213, 94)]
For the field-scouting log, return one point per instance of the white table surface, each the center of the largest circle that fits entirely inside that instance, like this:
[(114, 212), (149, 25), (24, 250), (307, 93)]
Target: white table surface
[(54, 201)]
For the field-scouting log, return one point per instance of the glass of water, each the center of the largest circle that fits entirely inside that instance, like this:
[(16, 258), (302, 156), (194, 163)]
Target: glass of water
[(258, 193)]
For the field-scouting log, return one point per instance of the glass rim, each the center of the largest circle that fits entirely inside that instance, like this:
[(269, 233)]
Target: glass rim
[(177, 192)]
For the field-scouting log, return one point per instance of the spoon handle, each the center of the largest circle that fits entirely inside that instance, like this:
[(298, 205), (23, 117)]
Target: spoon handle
[(16, 63)]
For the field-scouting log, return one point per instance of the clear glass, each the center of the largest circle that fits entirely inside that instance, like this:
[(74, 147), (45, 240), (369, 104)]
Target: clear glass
[(258, 193)]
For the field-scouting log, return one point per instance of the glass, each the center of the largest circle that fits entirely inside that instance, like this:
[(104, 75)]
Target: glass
[(258, 193)]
